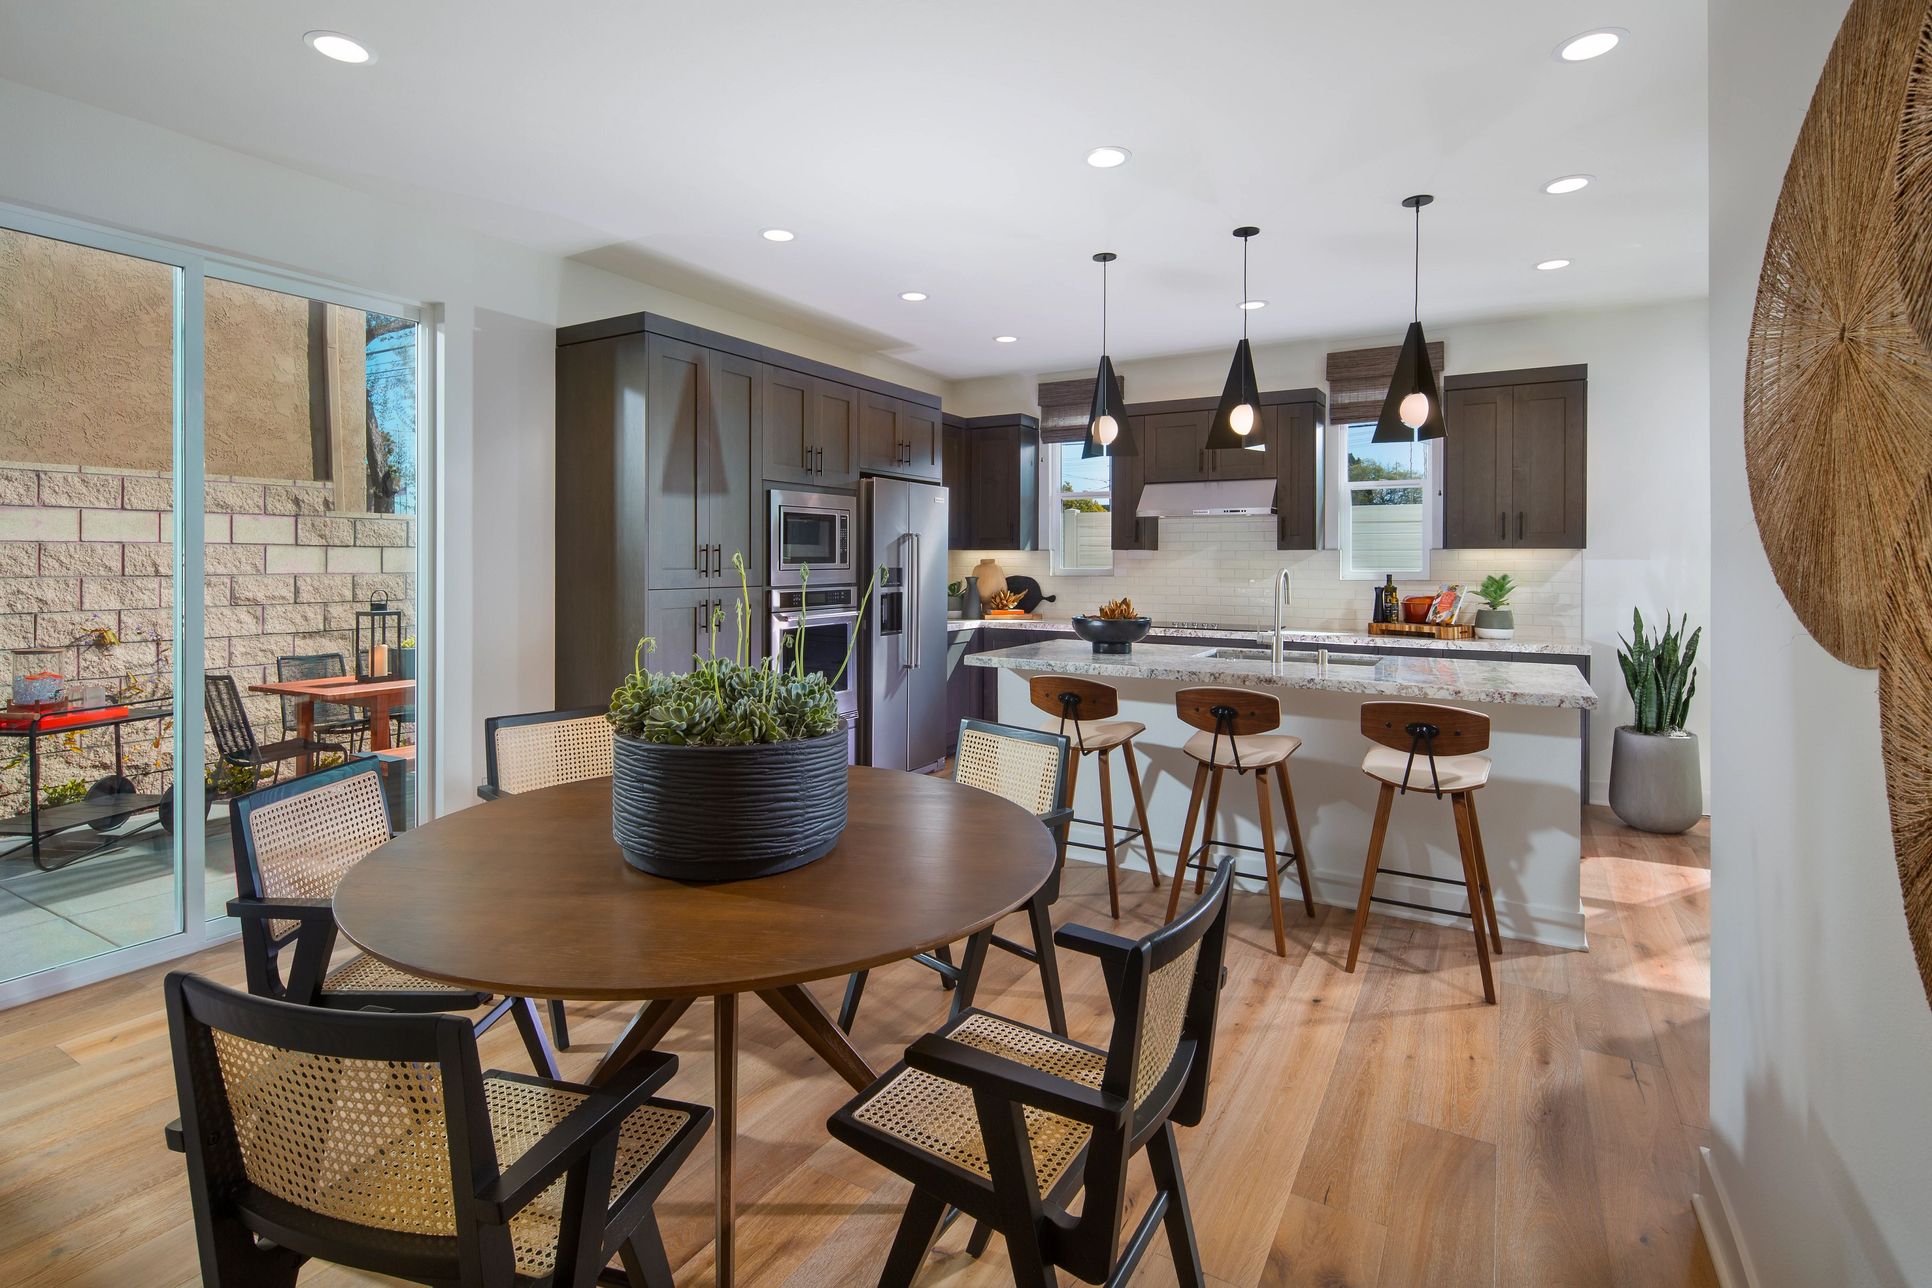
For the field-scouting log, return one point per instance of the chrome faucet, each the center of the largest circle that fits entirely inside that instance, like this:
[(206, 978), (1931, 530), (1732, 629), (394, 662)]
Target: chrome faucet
[(1284, 596)]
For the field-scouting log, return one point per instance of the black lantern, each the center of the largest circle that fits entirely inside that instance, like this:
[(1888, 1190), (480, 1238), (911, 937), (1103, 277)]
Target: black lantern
[(379, 637), (1413, 410), (1238, 414)]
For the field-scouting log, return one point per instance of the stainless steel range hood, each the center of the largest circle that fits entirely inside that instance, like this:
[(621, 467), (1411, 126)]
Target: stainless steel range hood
[(1202, 500)]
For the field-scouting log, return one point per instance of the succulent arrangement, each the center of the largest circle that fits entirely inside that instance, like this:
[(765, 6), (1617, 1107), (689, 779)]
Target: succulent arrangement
[(1658, 672), (727, 701), (1117, 610), (1496, 590)]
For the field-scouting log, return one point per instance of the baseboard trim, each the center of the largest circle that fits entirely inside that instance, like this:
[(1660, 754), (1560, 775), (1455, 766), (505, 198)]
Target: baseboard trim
[(1714, 1218)]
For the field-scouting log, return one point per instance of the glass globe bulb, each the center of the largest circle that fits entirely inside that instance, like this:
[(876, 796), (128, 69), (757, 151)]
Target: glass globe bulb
[(1414, 410), (1106, 430), (1241, 419)]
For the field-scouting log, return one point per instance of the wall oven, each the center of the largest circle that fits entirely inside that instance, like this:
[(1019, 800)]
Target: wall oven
[(815, 530), (820, 623)]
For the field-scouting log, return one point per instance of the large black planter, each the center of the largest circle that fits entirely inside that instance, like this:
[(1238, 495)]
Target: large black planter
[(727, 813)]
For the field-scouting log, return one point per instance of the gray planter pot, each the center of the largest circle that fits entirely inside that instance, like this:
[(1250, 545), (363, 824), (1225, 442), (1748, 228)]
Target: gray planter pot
[(727, 813), (1655, 782), (1495, 624)]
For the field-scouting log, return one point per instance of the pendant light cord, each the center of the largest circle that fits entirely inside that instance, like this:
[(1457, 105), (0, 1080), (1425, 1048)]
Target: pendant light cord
[(1245, 310), (1103, 308), (1415, 304)]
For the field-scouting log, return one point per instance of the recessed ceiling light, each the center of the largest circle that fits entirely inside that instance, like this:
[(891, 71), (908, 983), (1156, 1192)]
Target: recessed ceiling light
[(1106, 158), (1568, 183), (912, 297), (333, 44), (1591, 44), (1551, 265), (1252, 305), (777, 234), (1006, 339)]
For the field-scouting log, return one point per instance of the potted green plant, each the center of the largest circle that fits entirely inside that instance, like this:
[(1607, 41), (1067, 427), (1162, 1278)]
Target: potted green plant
[(1496, 622), (1655, 782), (729, 770)]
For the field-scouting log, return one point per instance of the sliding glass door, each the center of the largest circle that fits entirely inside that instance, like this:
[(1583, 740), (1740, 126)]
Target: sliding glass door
[(209, 490)]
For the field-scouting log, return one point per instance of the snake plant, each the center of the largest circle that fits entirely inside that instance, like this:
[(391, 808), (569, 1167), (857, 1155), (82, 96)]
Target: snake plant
[(1658, 672)]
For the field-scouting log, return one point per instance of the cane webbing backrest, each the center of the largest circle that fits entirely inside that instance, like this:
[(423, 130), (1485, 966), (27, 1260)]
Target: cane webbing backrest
[(1023, 770), (1168, 989), (938, 1115), (364, 1141), (302, 844), (549, 753)]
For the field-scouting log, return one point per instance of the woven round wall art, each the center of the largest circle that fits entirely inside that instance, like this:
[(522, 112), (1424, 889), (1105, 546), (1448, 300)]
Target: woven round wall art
[(1838, 398), (1838, 385)]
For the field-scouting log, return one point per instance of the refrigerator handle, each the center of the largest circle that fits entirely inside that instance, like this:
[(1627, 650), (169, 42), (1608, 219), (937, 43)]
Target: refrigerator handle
[(914, 591)]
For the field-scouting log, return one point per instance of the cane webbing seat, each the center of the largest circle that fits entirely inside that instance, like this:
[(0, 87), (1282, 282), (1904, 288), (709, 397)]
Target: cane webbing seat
[(937, 1115), (1249, 751), (1097, 735), (550, 753), (366, 974)]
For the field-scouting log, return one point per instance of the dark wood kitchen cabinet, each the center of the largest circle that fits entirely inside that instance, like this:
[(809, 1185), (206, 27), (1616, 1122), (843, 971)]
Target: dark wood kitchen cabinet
[(835, 421), (1295, 430), (1514, 459), (811, 430), (898, 437), (680, 621), (1175, 449), (992, 469), (700, 410)]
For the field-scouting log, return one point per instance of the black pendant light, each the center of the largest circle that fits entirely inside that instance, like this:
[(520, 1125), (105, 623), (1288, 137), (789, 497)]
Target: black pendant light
[(1239, 413), (1413, 410), (1107, 422)]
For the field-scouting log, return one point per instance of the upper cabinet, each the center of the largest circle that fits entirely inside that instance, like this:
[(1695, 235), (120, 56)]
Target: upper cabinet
[(1295, 430), (1514, 459), (899, 437), (992, 468), (1175, 450), (811, 429), (701, 407), (836, 425)]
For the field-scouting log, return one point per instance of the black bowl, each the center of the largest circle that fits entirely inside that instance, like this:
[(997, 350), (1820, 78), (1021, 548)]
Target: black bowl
[(1112, 634)]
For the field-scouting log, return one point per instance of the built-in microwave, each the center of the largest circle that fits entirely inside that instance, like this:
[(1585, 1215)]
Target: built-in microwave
[(815, 530)]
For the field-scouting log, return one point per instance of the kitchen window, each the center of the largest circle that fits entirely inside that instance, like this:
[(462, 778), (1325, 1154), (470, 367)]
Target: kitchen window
[(1387, 514), (1079, 517)]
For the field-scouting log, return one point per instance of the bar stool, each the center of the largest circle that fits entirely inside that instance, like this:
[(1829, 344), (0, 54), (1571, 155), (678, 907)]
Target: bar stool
[(1237, 733), (1430, 748), (1084, 708)]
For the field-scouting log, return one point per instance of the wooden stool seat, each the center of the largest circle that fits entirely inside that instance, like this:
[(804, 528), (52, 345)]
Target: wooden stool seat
[(1236, 732), (1452, 774), (1082, 711), (1245, 751), (1433, 751), (1089, 736)]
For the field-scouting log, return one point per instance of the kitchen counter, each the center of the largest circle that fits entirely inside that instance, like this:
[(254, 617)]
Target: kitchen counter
[(1319, 639), (1430, 679), (1532, 807)]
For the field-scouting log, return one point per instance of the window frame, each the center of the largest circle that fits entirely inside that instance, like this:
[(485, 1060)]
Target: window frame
[(1053, 512), (1336, 525)]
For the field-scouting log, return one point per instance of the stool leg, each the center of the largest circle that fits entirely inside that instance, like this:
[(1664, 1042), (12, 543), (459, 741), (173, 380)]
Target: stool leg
[(1268, 853), (1482, 876), (1107, 834), (1207, 828), (1461, 800), (1294, 837), (1187, 843), (1380, 830), (1140, 811), (1073, 777)]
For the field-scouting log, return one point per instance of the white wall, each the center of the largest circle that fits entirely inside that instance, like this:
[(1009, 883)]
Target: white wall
[(495, 585), (1821, 1040), (1649, 482)]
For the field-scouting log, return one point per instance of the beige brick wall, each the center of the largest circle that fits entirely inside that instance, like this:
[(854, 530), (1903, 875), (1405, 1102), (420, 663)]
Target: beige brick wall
[(82, 549)]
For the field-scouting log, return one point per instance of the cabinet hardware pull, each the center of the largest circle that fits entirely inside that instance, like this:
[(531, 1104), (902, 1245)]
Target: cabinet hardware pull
[(1519, 525), (1502, 525), (704, 561)]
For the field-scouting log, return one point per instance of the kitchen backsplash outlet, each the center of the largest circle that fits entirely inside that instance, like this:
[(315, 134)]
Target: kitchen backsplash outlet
[(1223, 570)]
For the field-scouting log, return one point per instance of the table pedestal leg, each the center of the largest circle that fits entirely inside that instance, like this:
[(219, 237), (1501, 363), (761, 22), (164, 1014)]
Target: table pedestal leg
[(725, 1056), (801, 1011), (646, 1029)]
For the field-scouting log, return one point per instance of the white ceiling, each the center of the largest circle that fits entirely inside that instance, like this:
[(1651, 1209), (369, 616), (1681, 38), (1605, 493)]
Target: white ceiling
[(938, 145)]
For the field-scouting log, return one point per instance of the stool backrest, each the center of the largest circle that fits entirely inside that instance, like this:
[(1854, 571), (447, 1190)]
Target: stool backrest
[(1228, 711), (1408, 726), (1069, 698)]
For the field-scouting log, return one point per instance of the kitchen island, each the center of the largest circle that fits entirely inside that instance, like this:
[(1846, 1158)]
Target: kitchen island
[(1532, 809)]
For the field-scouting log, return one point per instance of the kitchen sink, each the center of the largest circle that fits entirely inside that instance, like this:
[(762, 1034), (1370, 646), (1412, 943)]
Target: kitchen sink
[(1293, 655)]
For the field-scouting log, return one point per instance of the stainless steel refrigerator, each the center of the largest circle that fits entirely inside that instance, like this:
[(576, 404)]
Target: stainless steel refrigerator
[(902, 718)]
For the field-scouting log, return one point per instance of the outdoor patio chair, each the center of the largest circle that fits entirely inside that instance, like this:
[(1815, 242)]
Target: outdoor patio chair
[(292, 843), (378, 1142), (332, 719), (235, 735)]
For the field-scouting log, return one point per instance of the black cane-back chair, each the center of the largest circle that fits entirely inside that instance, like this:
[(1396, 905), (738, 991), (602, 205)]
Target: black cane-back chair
[(1008, 1123), (378, 1142), (1029, 768), (540, 749), (293, 842), (235, 735)]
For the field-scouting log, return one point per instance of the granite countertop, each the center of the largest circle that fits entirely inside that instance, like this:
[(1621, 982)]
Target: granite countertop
[(1445, 679), (1330, 639)]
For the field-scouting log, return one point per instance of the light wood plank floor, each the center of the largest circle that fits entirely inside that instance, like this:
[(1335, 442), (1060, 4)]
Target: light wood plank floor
[(1380, 1128)]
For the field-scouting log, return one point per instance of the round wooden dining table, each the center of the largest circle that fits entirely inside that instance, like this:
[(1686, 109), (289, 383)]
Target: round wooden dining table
[(529, 896)]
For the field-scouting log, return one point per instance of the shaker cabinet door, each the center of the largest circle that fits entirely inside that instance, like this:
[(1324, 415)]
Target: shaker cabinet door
[(836, 433), (732, 490), (1476, 482), (677, 427), (1173, 447), (791, 445), (919, 428), (1548, 474), (880, 442)]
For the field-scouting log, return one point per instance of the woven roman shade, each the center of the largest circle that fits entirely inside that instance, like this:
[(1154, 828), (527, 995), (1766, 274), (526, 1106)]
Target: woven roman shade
[(1064, 408), (1358, 381)]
